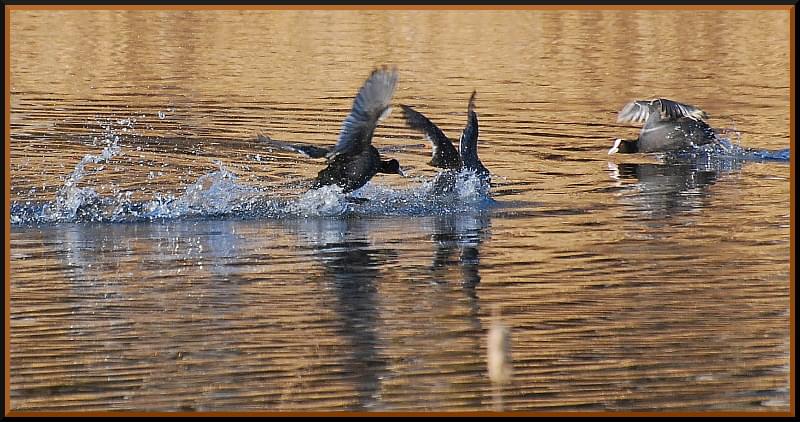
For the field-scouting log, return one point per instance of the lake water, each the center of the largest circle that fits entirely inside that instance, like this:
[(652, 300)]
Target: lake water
[(163, 260)]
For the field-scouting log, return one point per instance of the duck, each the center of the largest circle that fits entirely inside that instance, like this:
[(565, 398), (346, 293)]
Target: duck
[(353, 161), (668, 126), (444, 153)]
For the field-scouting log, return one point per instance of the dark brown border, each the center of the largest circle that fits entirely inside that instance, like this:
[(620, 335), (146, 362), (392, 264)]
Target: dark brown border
[(10, 8)]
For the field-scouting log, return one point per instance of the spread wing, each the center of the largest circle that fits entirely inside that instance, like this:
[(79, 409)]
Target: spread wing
[(639, 111), (370, 106), (445, 154), (469, 138), (307, 150)]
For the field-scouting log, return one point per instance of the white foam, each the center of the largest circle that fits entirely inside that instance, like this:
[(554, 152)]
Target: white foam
[(325, 201)]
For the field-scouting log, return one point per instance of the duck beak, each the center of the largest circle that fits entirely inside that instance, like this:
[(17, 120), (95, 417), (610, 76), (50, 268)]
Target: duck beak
[(400, 172), (614, 149)]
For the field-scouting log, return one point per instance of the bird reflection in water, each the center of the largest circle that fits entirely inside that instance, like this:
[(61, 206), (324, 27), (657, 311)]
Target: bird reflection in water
[(681, 181), (462, 233), (677, 185), (457, 239), (352, 266)]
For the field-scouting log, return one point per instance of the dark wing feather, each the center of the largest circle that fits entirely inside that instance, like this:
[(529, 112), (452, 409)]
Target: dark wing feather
[(675, 110), (370, 106), (469, 140), (305, 149), (640, 110), (445, 154)]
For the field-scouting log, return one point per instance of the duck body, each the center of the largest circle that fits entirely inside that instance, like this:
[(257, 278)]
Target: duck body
[(668, 126), (675, 134), (351, 170)]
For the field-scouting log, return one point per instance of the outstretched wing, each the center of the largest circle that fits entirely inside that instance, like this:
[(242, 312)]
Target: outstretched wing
[(370, 106), (445, 154), (634, 112), (639, 111), (469, 138), (675, 110), (307, 150)]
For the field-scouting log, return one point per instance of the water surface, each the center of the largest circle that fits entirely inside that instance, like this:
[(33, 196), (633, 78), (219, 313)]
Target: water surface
[(162, 259)]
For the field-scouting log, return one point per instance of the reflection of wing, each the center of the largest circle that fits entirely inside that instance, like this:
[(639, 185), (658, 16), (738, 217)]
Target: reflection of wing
[(469, 138), (307, 150), (370, 106), (639, 111), (444, 153)]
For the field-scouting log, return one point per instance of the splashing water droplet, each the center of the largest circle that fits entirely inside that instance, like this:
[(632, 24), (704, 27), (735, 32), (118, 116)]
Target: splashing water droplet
[(325, 201)]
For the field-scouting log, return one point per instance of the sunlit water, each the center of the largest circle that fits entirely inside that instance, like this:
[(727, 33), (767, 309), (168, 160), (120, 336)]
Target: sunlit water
[(163, 259)]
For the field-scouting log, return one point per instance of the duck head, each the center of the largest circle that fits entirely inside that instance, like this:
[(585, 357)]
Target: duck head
[(391, 167), (623, 146)]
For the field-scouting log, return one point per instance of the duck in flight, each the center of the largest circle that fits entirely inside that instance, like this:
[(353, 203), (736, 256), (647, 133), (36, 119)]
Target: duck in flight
[(445, 154), (668, 126), (353, 161)]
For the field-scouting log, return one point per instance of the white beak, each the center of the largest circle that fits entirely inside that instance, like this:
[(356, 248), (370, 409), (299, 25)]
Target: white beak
[(615, 148)]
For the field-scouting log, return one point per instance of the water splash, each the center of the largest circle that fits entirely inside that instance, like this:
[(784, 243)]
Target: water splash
[(326, 201), (71, 200), (727, 153), (214, 194), (467, 193), (219, 194), (471, 187)]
